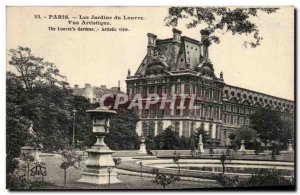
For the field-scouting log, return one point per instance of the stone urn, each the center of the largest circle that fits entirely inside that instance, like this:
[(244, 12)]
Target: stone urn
[(142, 146), (99, 164)]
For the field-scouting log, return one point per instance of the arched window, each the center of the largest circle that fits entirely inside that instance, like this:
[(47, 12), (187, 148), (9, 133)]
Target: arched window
[(151, 129), (159, 127), (144, 129), (210, 130)]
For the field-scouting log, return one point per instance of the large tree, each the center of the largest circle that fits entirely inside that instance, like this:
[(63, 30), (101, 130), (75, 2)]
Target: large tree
[(34, 71), (245, 133), (217, 20), (43, 97), (267, 123), (16, 123), (169, 139), (122, 135)]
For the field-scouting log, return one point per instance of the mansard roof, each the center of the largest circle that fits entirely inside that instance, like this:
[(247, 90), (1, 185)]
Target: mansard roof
[(186, 53)]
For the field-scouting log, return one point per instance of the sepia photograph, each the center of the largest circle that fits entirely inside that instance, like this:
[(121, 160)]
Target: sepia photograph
[(150, 98)]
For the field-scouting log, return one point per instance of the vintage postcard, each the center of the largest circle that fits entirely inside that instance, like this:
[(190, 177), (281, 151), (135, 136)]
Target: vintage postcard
[(155, 98)]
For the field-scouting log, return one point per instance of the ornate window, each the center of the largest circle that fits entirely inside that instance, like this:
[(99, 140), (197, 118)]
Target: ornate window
[(151, 130), (160, 112), (247, 121), (159, 90), (159, 127), (151, 90), (228, 107), (168, 89), (246, 111), (235, 120), (186, 89), (145, 113), (194, 89), (228, 119), (144, 129), (185, 129), (241, 110), (235, 108), (163, 89), (177, 112), (210, 130), (177, 89), (241, 120)]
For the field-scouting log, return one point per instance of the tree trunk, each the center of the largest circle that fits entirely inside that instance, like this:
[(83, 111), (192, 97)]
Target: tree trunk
[(65, 177), (28, 164), (223, 168), (178, 170)]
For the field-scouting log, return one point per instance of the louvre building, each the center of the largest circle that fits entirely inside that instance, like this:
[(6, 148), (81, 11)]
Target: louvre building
[(181, 65)]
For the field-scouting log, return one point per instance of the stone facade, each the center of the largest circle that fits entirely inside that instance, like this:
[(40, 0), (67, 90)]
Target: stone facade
[(181, 65)]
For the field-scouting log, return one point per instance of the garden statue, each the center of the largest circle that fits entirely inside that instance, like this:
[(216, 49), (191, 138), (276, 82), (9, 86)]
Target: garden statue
[(32, 147), (243, 149), (200, 145), (290, 146)]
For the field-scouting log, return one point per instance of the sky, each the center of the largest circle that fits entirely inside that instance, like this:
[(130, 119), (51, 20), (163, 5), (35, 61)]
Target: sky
[(103, 58)]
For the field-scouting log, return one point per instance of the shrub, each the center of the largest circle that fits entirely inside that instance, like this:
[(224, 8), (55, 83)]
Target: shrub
[(268, 178), (117, 161), (258, 147), (164, 179), (263, 177), (19, 183), (69, 160), (226, 181)]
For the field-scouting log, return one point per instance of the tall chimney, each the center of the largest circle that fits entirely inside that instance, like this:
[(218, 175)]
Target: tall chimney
[(151, 45), (119, 86), (175, 44), (205, 42), (87, 85), (128, 72), (176, 35)]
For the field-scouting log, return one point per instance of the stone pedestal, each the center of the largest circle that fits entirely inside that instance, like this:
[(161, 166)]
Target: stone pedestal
[(200, 145), (242, 149), (31, 152), (99, 165), (142, 147)]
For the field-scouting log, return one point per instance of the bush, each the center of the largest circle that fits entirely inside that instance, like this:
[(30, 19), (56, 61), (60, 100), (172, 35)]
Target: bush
[(18, 183), (258, 147), (268, 178), (263, 177), (164, 179), (117, 161), (228, 182)]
